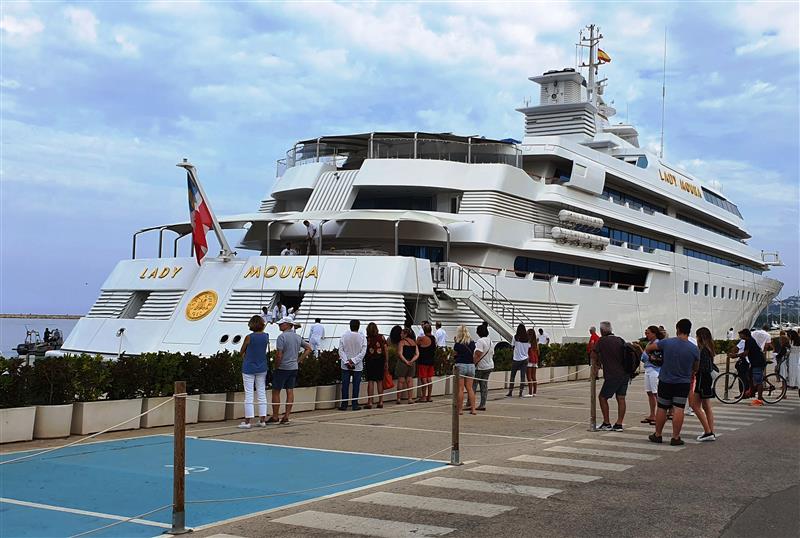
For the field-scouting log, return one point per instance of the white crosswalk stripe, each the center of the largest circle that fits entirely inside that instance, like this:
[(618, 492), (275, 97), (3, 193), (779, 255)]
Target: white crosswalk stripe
[(737, 416), (533, 473), (489, 487), (684, 431), (643, 438), (727, 422), (606, 453), (627, 444), (564, 462), (434, 504), (361, 525)]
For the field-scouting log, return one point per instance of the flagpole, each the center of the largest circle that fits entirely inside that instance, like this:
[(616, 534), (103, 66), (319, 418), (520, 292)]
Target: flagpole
[(226, 252)]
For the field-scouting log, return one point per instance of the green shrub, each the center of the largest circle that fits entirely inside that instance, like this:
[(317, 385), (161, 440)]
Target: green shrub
[(443, 361), (308, 373), (330, 370), (126, 378), (502, 359), (51, 382), (162, 369), (14, 378), (219, 373), (569, 354), (91, 375)]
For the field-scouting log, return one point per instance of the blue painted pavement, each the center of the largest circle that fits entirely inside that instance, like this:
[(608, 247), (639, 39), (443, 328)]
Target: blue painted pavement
[(133, 476)]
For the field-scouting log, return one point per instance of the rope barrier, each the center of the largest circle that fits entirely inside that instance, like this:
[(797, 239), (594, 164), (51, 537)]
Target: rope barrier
[(525, 381), (384, 393), (82, 439), (120, 522)]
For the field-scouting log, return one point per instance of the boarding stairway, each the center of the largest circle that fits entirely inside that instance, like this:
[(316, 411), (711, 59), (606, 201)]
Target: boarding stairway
[(479, 295)]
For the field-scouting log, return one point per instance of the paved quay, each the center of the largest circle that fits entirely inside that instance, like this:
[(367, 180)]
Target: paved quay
[(531, 468)]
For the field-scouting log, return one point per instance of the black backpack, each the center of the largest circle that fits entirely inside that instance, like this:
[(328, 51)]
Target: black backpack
[(631, 358)]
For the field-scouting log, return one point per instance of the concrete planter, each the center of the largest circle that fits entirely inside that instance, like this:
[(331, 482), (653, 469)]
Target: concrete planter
[(92, 417), (237, 410), (326, 396), (439, 385), (573, 373), (16, 424), (559, 374), (584, 372), (304, 399), (212, 407), (163, 416), (498, 380), (52, 421)]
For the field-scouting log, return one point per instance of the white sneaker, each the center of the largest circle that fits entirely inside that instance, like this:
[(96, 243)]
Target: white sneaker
[(528, 396), (260, 424), (245, 426), (690, 412), (707, 437)]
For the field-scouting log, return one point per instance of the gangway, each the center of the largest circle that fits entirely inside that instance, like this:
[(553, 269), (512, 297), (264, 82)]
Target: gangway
[(479, 295)]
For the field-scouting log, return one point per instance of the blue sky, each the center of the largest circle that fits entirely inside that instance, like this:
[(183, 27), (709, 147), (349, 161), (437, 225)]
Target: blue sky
[(100, 100)]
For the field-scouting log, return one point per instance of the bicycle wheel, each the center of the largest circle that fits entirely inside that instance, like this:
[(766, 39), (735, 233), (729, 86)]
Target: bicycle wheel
[(728, 388), (774, 388)]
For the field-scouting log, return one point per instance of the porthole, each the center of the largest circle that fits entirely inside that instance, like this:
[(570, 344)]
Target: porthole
[(237, 338), (223, 339)]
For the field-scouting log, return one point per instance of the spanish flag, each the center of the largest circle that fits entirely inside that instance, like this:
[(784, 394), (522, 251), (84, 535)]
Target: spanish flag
[(602, 56)]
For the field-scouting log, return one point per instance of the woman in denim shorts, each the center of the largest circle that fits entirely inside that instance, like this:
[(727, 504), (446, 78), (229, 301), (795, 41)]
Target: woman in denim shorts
[(464, 348)]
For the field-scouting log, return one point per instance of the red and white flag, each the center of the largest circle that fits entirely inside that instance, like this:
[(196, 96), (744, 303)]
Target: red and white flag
[(200, 218)]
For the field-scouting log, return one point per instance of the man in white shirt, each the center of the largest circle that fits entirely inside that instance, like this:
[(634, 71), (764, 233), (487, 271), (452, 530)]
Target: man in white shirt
[(287, 251), (731, 334), (311, 237), (315, 336), (352, 348), (484, 364), (762, 337), (279, 312), (441, 335), (265, 315), (543, 338)]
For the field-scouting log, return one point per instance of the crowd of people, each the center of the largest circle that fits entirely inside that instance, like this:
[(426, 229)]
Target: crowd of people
[(680, 370), (677, 370)]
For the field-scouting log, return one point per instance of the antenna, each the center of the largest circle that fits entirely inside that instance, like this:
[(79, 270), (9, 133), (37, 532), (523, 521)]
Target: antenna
[(663, 93)]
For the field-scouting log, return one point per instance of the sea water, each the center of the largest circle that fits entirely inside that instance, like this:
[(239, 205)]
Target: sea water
[(12, 331)]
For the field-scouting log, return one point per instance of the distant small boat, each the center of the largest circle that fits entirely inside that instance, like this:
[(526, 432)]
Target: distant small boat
[(34, 345)]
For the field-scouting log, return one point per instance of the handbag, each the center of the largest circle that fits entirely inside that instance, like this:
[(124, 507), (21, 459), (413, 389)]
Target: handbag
[(388, 382)]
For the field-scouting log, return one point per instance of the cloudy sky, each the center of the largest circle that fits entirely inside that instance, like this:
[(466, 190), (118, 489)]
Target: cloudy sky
[(100, 100)]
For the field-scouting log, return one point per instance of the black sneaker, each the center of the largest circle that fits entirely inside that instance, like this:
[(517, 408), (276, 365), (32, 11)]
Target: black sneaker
[(604, 427), (676, 442), (356, 408), (617, 428), (655, 438), (707, 437)]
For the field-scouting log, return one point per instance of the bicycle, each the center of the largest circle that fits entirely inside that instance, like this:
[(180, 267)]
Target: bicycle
[(729, 387)]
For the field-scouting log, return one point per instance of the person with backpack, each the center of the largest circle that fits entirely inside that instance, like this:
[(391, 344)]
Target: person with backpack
[(681, 361), (610, 352)]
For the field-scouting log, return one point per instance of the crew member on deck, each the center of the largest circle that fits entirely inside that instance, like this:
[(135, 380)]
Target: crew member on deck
[(311, 238)]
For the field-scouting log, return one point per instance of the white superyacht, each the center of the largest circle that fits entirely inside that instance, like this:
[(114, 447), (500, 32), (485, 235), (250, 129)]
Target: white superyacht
[(571, 226)]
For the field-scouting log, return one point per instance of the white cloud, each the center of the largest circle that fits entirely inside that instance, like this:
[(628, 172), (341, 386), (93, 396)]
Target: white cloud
[(11, 84), (126, 46), (21, 28), (769, 27), (740, 178), (755, 45), (83, 24), (749, 91)]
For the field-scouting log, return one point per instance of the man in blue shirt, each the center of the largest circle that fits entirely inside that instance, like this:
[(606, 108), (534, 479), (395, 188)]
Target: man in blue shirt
[(681, 360)]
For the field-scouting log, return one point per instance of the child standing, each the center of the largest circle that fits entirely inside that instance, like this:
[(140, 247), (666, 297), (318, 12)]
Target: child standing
[(254, 371)]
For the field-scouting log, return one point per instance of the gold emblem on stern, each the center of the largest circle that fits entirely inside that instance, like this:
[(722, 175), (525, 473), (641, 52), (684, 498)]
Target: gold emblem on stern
[(201, 305)]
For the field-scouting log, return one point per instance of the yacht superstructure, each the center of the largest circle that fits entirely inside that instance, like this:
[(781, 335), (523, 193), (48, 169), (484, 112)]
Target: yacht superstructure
[(573, 225)]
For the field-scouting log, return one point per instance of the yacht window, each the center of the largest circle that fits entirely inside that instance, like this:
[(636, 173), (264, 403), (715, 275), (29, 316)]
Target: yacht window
[(454, 205), (722, 261), (721, 202), (633, 202), (714, 292), (434, 254), (722, 292), (705, 290), (635, 240), (373, 200), (737, 295), (696, 288), (705, 226), (685, 286), (730, 292), (568, 272)]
